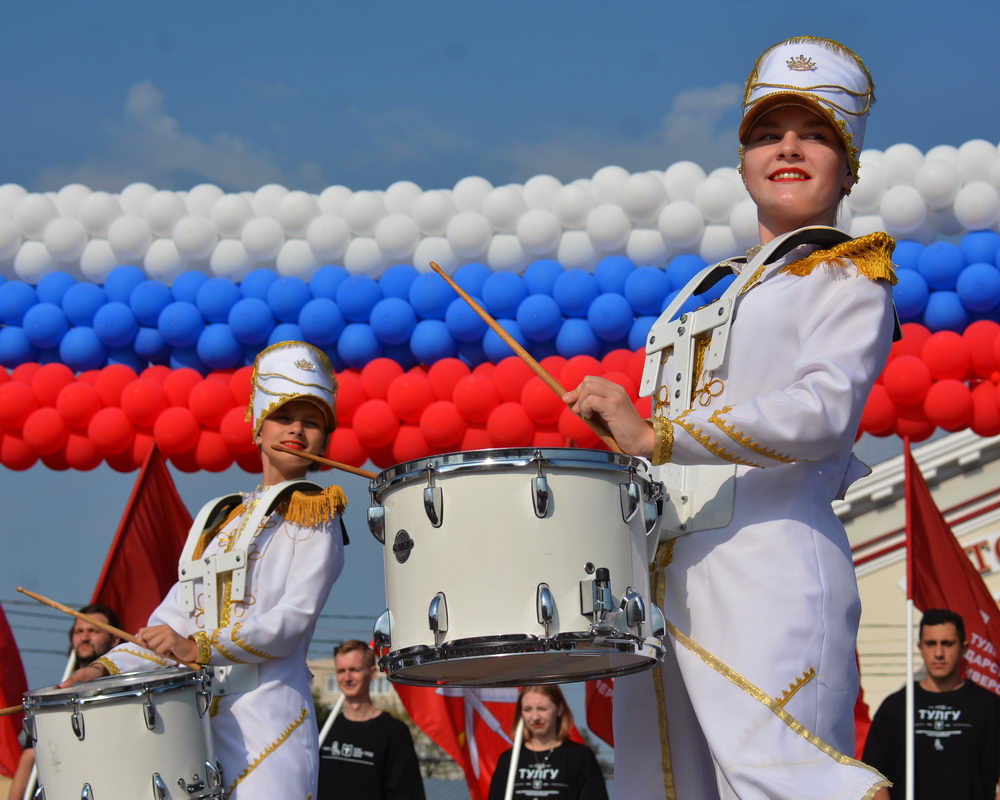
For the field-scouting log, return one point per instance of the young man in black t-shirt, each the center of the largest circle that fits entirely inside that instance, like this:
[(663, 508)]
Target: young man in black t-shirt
[(367, 753), (956, 724)]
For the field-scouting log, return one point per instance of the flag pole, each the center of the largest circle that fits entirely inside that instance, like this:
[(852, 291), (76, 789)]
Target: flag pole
[(514, 754), (334, 713), (909, 618)]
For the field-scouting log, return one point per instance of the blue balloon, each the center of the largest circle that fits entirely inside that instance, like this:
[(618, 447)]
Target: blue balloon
[(472, 277), (128, 357), (539, 317), (541, 275), (718, 288), (978, 287), (503, 293), (115, 324), (335, 360), (357, 296), (940, 264), (576, 338), (287, 296), (682, 269), (430, 296), (251, 320), (395, 282), (358, 345), (53, 286), (216, 297), (471, 353), (16, 297), (321, 321), (907, 254), (401, 354), (186, 285), (285, 332), (945, 312), (645, 289), (150, 345), (181, 324), (431, 341), (610, 315), (148, 299), (910, 294), (80, 349), (617, 344), (187, 358), (257, 282), (45, 324), (544, 349), (641, 327), (574, 291), (81, 302), (121, 281), (495, 348), (218, 348), (15, 348), (612, 272), (393, 320), (325, 281), (464, 323), (978, 247), (51, 356)]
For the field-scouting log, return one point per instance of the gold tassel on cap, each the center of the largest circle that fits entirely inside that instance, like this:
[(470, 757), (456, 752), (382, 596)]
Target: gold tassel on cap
[(871, 254), (310, 510)]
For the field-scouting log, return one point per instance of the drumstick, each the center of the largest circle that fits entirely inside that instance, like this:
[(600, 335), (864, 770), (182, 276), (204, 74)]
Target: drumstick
[(596, 424), (320, 460), (6, 712), (104, 626)]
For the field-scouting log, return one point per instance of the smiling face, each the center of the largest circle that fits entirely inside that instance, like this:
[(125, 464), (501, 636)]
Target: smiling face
[(299, 425), (795, 169)]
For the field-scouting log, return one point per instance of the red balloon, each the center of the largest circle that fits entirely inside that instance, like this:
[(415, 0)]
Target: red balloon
[(56, 461), (409, 395), (211, 452), (157, 372), (17, 401), (487, 368), (541, 404), (879, 414), (548, 439), (81, 453), (77, 403), (644, 405), (48, 381), (510, 426), (110, 431), (911, 422), (179, 384), (142, 401), (578, 368), (142, 446), (112, 380), (907, 379), (209, 401), (410, 444), (239, 385), (176, 430), (250, 462), (237, 432), (442, 425), (23, 373), (444, 374), (221, 375), (186, 461), (90, 376), (912, 343), (577, 431), (475, 439), (475, 396), (624, 381), (979, 338), (948, 404), (554, 365), (381, 457), (350, 395), (617, 360), (345, 448), (985, 419), (15, 454), (377, 375), (510, 376), (946, 355), (636, 365), (123, 461), (375, 423), (4, 377), (45, 432)]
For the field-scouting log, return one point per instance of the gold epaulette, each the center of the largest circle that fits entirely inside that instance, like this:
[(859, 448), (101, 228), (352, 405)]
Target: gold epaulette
[(312, 509), (871, 254)]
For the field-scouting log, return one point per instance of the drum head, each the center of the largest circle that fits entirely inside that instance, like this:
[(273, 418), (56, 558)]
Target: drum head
[(114, 686)]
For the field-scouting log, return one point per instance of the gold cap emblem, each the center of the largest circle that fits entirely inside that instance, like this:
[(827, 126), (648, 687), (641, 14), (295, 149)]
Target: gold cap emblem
[(801, 63), (308, 366)]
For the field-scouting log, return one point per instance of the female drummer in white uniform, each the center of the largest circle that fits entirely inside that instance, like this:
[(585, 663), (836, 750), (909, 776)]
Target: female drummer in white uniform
[(755, 697), (263, 728)]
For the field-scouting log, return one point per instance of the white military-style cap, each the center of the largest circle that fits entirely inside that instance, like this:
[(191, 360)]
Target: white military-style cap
[(821, 75), (289, 371)]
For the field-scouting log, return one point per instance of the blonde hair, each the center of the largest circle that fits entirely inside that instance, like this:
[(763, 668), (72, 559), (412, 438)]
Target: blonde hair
[(563, 712)]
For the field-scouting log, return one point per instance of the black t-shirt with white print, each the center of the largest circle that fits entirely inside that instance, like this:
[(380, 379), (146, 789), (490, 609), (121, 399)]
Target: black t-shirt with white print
[(567, 772)]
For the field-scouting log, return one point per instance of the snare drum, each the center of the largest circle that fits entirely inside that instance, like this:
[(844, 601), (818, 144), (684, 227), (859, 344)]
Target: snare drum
[(124, 737), (516, 566)]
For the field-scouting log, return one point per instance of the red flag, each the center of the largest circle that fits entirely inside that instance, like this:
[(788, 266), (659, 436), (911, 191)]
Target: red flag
[(600, 700), (944, 577), (12, 686), (141, 565)]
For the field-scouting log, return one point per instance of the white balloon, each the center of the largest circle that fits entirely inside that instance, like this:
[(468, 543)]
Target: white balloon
[(328, 236), (503, 207), (902, 209), (262, 237), (994, 176), (396, 235), (70, 197), (540, 191), (469, 234), (572, 205), (162, 210), (97, 260), (900, 163), (681, 224), (295, 211), (437, 249), (333, 199), (731, 174), (506, 254), (229, 214), (715, 198), (942, 152), (576, 251), (65, 238), (743, 221), (163, 262), (33, 262), (975, 158), (32, 213), (432, 211), (134, 196), (98, 211), (867, 193), (863, 224), (230, 260), (944, 221), (609, 184), (10, 238), (296, 259), (400, 195), (938, 181), (717, 243), (977, 206), (202, 197), (130, 237), (267, 198), (643, 196), (844, 216), (538, 231), (10, 195), (681, 180), (363, 257), (469, 193), (608, 227), (646, 246), (362, 211), (195, 237)]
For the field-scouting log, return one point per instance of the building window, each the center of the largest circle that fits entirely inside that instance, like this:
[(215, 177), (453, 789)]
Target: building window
[(330, 684)]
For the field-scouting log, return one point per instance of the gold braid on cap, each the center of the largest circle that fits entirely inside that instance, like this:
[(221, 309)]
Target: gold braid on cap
[(282, 399)]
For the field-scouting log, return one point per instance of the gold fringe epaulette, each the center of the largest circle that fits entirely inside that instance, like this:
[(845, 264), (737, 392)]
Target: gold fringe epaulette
[(310, 510), (871, 254)]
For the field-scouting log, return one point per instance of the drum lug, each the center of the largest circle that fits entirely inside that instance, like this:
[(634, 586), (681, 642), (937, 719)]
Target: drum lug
[(437, 616), (657, 622), (39, 793), (28, 724), (382, 632), (635, 610), (87, 793), (545, 606), (76, 722), (149, 712), (376, 522), (214, 775), (434, 505), (160, 787), (596, 600), (196, 785), (541, 495), (203, 698), (630, 499)]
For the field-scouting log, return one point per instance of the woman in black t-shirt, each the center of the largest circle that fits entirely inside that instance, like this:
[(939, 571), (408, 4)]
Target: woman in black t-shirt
[(550, 766)]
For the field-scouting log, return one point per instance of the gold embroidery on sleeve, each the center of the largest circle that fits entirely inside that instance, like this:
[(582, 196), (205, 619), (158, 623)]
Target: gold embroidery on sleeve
[(663, 440), (714, 448), (108, 664), (303, 715), (146, 655), (234, 634), (201, 639), (795, 685), (222, 649), (741, 438)]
